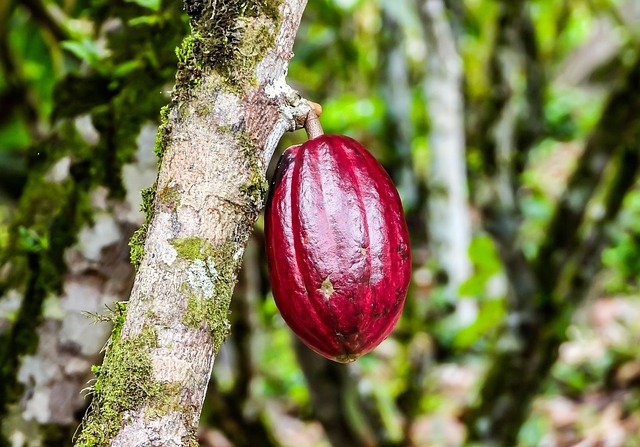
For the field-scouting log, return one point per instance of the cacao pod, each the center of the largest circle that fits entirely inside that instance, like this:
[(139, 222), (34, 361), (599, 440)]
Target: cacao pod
[(337, 247)]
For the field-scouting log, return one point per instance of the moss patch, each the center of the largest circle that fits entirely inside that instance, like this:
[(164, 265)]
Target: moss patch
[(124, 383), (229, 37), (255, 190), (193, 248), (136, 243), (211, 277), (164, 132)]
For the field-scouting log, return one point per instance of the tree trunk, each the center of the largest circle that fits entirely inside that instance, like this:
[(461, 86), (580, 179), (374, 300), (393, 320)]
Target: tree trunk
[(67, 253), (230, 107), (449, 223)]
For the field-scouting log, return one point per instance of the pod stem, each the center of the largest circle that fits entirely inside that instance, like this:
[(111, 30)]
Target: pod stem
[(312, 124)]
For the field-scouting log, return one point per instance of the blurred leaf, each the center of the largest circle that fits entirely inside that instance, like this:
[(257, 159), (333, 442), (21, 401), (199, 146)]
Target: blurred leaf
[(490, 314), (85, 49), (533, 432), (151, 4), (31, 241), (486, 263)]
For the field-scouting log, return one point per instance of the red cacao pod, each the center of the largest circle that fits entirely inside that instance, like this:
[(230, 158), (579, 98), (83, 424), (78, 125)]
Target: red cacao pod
[(337, 246)]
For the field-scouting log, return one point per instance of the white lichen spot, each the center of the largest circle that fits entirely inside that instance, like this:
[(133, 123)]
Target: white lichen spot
[(238, 254), (201, 276), (278, 88), (327, 288), (86, 129), (166, 253), (59, 171)]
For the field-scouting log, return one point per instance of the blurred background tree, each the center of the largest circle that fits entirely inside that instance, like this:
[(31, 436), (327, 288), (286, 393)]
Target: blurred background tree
[(512, 130)]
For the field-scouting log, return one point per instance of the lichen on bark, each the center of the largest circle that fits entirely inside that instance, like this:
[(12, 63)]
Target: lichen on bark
[(211, 277)]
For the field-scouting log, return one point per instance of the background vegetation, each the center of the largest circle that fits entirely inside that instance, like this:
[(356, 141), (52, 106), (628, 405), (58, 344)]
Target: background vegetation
[(536, 345)]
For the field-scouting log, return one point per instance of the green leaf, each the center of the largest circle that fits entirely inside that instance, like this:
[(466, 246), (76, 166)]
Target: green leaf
[(491, 313), (31, 241), (151, 4), (86, 50)]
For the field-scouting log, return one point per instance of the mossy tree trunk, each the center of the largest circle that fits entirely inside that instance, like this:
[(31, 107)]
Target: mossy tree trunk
[(230, 107), (67, 250)]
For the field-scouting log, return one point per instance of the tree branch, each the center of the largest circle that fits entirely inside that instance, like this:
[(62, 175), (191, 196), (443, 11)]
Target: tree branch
[(449, 220), (230, 107)]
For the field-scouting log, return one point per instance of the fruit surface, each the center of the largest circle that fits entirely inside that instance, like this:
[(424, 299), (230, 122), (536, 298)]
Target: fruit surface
[(338, 247)]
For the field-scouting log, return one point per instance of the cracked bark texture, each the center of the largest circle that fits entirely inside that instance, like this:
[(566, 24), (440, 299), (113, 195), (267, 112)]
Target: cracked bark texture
[(209, 192)]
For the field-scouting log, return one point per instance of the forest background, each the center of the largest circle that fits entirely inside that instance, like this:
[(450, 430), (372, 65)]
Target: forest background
[(512, 131)]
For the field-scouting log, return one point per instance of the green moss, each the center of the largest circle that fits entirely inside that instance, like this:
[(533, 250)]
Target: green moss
[(255, 190), (229, 37), (213, 312), (124, 382), (164, 132), (193, 248), (211, 277), (168, 402), (136, 243)]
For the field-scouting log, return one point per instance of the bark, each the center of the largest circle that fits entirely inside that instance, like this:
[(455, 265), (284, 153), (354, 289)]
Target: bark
[(449, 220), (396, 92), (559, 278), (239, 412), (230, 107), (67, 254)]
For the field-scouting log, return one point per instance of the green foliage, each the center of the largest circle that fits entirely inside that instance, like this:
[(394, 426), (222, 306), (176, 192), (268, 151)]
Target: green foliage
[(486, 264), (283, 376), (622, 258), (341, 58)]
